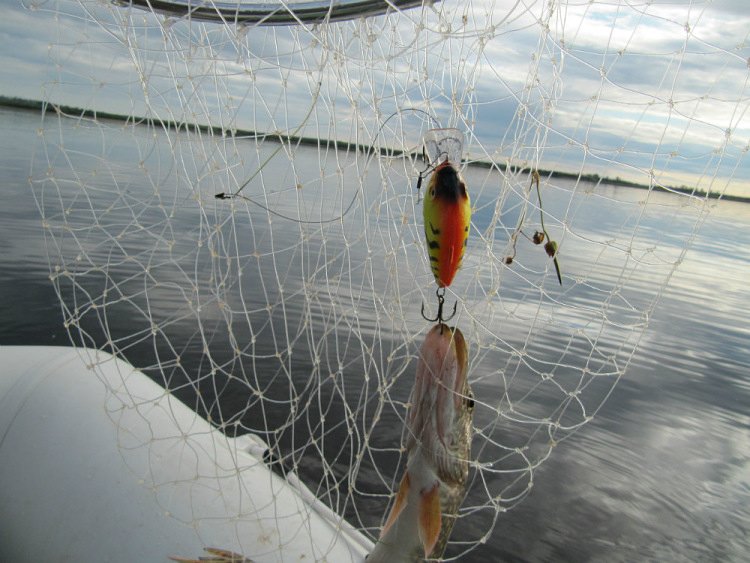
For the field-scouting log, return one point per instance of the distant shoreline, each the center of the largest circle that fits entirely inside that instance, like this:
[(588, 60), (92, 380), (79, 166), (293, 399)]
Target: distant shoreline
[(36, 105)]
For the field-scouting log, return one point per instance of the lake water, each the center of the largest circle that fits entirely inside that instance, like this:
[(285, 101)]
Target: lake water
[(662, 473)]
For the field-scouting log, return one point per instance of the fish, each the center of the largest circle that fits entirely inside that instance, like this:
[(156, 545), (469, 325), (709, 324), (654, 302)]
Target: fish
[(438, 445), (215, 556), (447, 218)]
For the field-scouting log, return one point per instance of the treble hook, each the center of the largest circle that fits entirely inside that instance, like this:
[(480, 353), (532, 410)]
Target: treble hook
[(441, 301)]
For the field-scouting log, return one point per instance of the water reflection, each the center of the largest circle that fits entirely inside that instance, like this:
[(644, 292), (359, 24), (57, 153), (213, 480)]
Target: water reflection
[(297, 330)]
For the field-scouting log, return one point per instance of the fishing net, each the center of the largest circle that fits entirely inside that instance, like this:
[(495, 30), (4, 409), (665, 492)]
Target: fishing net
[(234, 212)]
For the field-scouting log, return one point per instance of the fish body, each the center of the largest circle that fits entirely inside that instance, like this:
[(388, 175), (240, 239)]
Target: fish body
[(447, 216), (215, 556), (438, 445)]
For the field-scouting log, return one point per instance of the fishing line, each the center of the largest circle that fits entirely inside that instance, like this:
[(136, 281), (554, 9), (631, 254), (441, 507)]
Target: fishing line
[(369, 154)]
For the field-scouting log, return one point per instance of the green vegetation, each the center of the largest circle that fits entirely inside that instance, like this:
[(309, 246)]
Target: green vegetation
[(617, 181), (79, 113), (74, 112)]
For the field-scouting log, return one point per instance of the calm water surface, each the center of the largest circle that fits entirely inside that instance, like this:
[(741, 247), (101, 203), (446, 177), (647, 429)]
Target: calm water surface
[(663, 471)]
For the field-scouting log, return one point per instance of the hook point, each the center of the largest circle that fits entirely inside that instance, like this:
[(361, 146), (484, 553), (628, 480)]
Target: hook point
[(441, 301)]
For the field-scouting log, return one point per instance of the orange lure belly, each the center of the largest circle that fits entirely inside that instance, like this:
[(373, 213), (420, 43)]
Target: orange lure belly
[(447, 240)]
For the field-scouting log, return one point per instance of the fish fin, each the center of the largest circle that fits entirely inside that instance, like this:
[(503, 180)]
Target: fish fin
[(429, 518), (216, 556), (398, 505)]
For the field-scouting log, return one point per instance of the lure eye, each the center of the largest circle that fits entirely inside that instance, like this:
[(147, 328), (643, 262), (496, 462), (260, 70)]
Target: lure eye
[(470, 402)]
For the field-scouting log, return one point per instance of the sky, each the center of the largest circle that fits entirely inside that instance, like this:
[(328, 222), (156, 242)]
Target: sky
[(636, 90)]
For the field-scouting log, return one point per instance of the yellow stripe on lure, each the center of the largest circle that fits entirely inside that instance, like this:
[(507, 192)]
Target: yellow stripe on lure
[(447, 216)]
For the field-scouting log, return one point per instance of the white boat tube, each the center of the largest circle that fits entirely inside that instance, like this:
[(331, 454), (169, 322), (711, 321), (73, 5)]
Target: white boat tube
[(108, 466)]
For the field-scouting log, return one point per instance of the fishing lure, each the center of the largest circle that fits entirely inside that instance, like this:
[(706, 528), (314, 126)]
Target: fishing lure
[(446, 210)]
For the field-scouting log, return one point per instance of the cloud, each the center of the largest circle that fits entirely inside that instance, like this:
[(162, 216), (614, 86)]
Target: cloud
[(618, 82)]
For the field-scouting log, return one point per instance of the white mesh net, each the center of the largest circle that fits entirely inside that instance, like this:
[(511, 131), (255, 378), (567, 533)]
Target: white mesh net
[(293, 311)]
